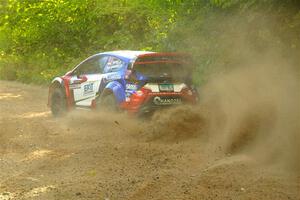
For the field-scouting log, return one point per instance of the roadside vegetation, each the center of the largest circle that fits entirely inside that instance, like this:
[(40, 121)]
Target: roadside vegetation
[(41, 39)]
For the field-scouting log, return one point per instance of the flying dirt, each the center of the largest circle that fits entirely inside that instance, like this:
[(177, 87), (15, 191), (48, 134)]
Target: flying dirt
[(241, 142)]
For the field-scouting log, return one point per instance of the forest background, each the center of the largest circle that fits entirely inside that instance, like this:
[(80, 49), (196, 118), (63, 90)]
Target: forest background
[(42, 39)]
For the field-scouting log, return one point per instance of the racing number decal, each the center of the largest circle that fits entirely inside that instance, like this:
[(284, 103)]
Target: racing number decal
[(88, 88)]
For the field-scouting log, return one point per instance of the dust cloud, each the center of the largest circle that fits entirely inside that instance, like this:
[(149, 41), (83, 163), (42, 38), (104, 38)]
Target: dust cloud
[(249, 103), (255, 110)]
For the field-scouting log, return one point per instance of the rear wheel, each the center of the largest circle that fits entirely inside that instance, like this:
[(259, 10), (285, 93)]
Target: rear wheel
[(107, 102), (58, 103)]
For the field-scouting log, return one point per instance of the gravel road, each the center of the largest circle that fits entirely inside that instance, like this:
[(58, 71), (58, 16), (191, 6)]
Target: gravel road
[(103, 156)]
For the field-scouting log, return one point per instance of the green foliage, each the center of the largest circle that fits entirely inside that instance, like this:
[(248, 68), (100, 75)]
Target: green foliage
[(42, 39), (47, 36)]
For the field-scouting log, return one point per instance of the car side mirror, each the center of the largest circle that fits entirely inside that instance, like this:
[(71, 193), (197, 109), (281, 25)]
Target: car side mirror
[(81, 79)]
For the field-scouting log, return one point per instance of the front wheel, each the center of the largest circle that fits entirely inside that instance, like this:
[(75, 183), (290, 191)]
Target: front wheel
[(58, 103)]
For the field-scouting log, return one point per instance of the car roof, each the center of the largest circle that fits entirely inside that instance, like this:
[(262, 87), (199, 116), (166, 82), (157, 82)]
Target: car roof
[(126, 54)]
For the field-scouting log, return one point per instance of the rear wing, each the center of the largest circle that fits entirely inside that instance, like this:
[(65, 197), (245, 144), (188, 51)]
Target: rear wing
[(167, 57)]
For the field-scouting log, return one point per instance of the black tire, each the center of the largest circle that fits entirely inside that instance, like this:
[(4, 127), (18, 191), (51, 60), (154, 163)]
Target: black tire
[(58, 102), (107, 102)]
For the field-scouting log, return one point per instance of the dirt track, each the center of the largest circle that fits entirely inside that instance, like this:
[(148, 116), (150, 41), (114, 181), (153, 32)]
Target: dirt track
[(109, 157)]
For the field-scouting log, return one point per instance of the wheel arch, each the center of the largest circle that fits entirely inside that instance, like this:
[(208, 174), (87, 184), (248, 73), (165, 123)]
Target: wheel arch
[(56, 83)]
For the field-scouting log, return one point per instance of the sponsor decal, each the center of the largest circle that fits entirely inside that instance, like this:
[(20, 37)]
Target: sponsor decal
[(113, 77), (166, 101), (88, 88), (131, 86)]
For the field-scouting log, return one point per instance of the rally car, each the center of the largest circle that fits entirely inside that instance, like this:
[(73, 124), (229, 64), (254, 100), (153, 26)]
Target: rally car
[(134, 81)]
